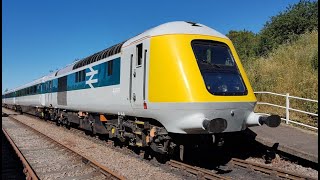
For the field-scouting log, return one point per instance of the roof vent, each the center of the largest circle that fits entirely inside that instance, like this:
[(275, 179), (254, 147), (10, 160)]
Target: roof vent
[(115, 49), (193, 23)]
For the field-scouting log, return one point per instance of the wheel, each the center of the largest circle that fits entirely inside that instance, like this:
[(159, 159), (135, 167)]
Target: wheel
[(147, 154), (161, 158), (58, 122), (86, 132), (68, 124)]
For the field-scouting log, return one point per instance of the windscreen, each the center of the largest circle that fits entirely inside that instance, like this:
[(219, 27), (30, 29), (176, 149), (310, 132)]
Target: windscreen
[(218, 68)]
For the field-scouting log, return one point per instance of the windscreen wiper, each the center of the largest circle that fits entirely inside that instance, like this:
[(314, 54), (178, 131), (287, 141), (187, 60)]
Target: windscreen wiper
[(214, 65)]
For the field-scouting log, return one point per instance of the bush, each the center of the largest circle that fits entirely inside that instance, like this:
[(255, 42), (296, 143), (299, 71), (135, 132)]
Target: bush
[(288, 25), (292, 68), (245, 43), (314, 60)]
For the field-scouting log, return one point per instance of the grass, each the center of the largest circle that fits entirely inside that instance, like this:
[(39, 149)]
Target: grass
[(291, 68)]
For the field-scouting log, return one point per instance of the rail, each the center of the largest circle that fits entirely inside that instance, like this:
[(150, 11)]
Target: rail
[(199, 172), (269, 170), (288, 108), (28, 171), (108, 173)]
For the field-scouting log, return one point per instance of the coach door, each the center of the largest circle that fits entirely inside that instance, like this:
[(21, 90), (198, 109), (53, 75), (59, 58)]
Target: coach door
[(62, 91), (42, 92), (49, 93), (14, 97), (138, 76), (41, 95)]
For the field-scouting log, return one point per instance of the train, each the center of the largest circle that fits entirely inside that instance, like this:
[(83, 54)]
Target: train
[(175, 84)]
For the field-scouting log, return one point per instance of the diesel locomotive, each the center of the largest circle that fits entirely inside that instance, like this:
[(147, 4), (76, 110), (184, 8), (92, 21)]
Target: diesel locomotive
[(156, 90)]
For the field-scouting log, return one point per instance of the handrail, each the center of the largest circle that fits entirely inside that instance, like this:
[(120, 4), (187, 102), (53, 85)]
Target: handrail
[(288, 108)]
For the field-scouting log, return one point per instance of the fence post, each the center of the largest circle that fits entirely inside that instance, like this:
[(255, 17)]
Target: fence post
[(287, 108)]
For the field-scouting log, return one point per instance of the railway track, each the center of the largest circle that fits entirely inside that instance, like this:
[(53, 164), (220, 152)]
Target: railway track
[(269, 171), (273, 172), (45, 158), (202, 173), (199, 172)]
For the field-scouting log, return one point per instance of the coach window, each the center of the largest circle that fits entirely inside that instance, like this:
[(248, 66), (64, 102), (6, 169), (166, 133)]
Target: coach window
[(76, 77), (110, 67), (79, 76), (139, 55), (82, 75)]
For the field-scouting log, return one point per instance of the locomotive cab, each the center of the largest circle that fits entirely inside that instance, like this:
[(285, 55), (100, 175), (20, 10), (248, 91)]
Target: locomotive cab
[(197, 79)]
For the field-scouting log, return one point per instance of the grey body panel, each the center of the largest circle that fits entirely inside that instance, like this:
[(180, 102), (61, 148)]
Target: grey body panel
[(188, 117)]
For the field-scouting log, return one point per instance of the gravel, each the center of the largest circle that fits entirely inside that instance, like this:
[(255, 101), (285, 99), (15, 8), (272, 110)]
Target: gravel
[(125, 165), (132, 167), (280, 163)]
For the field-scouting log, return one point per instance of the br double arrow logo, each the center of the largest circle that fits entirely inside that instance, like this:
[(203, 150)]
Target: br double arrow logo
[(91, 74)]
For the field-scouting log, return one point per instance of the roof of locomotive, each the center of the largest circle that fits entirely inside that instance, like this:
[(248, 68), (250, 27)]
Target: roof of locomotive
[(177, 27)]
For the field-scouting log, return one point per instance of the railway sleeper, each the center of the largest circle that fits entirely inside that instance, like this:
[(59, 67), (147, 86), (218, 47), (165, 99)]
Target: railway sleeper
[(130, 131)]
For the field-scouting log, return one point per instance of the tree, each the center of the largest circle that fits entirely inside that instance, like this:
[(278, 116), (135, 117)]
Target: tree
[(288, 25), (245, 42)]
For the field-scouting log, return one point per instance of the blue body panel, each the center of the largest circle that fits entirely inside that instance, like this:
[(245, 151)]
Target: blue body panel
[(102, 77)]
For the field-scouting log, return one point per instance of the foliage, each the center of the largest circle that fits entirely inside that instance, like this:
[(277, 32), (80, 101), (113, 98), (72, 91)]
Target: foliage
[(245, 43), (314, 60), (288, 69), (283, 28), (283, 58), (288, 25)]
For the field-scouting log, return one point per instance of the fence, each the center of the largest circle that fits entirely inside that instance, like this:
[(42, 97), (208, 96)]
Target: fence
[(288, 109)]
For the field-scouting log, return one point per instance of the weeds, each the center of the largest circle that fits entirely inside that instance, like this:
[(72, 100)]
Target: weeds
[(291, 68)]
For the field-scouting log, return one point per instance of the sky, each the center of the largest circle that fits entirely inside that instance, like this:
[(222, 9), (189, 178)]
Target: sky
[(43, 35)]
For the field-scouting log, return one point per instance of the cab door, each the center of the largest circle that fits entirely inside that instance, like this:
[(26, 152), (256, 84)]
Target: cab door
[(138, 76)]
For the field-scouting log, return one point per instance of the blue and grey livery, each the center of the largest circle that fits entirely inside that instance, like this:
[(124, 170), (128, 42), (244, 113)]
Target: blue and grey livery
[(152, 90)]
